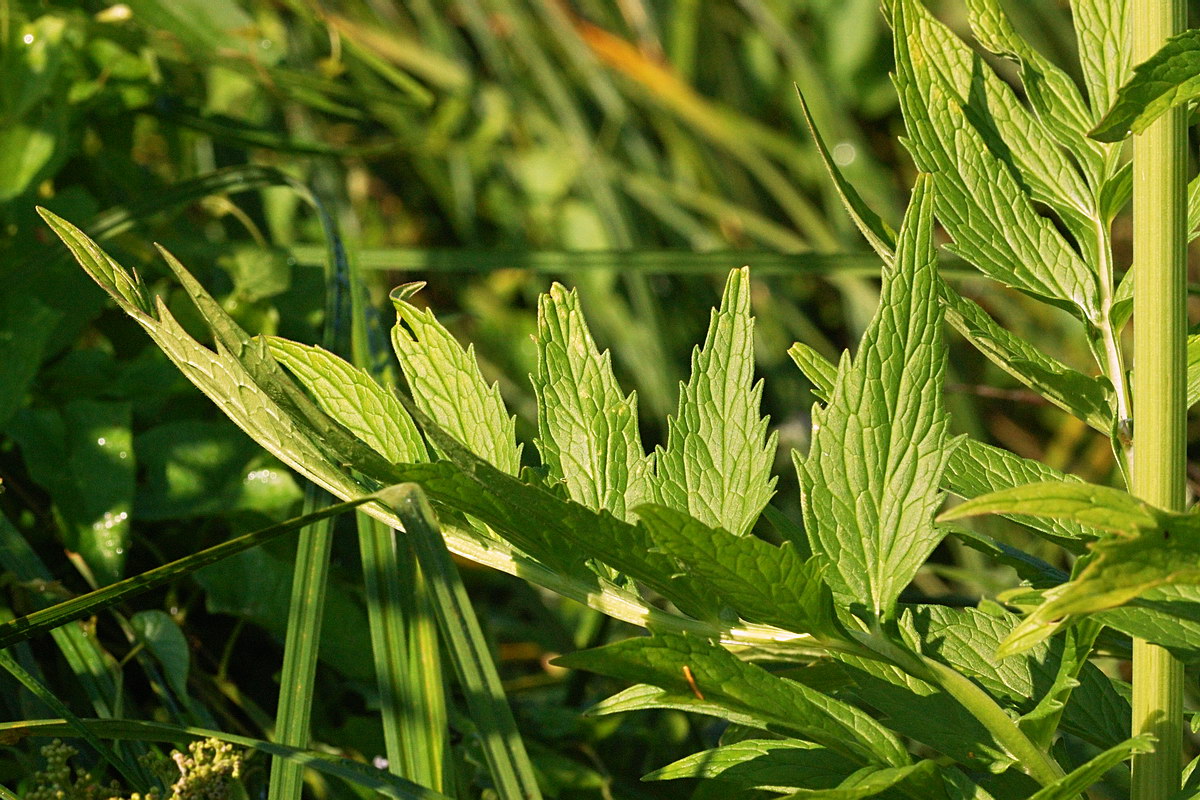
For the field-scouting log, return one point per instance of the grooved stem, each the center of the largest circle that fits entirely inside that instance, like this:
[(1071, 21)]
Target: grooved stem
[(1159, 353)]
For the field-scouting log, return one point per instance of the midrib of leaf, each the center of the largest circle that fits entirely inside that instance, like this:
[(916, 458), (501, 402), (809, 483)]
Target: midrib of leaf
[(717, 462), (870, 481)]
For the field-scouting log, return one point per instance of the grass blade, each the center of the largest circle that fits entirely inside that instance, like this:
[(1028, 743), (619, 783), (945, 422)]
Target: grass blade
[(506, 756)]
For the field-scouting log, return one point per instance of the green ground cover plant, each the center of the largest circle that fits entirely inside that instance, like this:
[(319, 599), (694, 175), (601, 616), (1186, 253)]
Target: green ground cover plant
[(796, 632)]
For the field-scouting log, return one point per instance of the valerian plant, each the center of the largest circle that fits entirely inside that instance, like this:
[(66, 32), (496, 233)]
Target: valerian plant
[(900, 700)]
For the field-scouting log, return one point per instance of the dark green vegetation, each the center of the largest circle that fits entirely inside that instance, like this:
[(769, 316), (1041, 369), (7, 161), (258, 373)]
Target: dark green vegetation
[(300, 162)]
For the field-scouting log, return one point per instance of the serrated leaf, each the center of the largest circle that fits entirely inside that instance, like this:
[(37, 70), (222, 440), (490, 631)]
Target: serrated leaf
[(974, 468), (723, 678), (351, 396), (1100, 507), (1080, 779), (1167, 615), (644, 697), (979, 200), (1102, 32), (588, 431), (446, 384), (761, 582), (1079, 395), (870, 481), (1169, 78), (717, 462), (766, 764), (871, 781)]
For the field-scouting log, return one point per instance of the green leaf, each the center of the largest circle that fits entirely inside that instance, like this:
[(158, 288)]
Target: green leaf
[(721, 677), (1085, 397), (717, 462), (83, 455), (977, 469), (870, 781), (1099, 507), (874, 229), (1102, 31), (979, 200), (1193, 370), (870, 481), (820, 373), (163, 637), (25, 328), (761, 582), (974, 468), (446, 384), (768, 764), (917, 709), (588, 431), (1080, 779), (354, 399), (1167, 79)]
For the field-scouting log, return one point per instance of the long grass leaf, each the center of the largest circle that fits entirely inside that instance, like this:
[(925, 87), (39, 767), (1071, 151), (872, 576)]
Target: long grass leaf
[(509, 763)]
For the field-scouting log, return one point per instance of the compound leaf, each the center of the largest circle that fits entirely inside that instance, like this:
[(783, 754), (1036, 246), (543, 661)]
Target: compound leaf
[(1102, 33)]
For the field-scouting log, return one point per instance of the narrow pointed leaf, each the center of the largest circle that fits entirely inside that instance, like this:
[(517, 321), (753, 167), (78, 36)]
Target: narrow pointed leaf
[(1164, 552), (588, 430), (717, 462), (1099, 507), (1167, 79), (777, 765), (870, 481)]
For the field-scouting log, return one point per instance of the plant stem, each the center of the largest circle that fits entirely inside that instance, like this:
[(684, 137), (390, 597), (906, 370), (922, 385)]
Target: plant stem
[(1159, 347)]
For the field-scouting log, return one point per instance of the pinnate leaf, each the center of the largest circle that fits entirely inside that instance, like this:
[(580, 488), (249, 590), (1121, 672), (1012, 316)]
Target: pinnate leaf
[(1167, 79), (588, 431), (870, 481)]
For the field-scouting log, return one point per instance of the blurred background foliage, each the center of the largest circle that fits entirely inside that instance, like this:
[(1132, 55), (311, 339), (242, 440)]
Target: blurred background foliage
[(638, 149)]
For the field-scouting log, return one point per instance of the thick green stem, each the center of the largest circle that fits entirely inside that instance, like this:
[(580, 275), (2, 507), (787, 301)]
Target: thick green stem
[(1159, 347)]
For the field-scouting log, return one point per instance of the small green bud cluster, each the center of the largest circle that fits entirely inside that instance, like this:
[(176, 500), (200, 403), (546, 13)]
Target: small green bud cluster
[(210, 770)]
